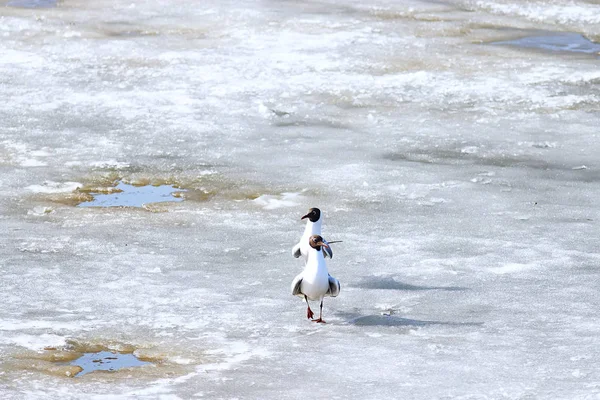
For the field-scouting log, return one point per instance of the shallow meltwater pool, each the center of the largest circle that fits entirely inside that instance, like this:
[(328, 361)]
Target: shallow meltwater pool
[(32, 3), (106, 361), (125, 195), (556, 42)]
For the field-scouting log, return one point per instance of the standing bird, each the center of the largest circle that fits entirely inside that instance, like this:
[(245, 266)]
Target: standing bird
[(314, 283), (313, 227)]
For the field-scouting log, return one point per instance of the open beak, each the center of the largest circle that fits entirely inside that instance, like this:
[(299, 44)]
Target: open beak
[(306, 216), (326, 249)]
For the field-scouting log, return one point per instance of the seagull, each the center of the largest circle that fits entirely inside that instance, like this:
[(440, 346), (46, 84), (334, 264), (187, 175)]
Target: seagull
[(313, 227), (314, 283)]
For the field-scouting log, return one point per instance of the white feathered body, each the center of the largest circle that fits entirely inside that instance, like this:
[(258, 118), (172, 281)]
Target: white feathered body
[(315, 278), (315, 282), (303, 247)]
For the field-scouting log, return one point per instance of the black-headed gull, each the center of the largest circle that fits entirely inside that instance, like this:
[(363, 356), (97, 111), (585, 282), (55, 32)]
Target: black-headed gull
[(313, 227), (315, 283)]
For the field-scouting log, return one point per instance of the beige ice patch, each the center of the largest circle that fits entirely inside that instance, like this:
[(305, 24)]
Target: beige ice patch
[(80, 358)]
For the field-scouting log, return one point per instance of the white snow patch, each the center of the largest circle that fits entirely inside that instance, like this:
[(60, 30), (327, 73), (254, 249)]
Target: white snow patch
[(181, 360), (469, 150), (38, 342), (40, 153), (39, 211), (510, 268), (272, 202), (54, 187), (110, 164), (31, 162), (544, 12), (19, 57)]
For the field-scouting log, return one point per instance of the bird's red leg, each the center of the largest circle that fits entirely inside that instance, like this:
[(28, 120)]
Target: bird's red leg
[(320, 320), (309, 313)]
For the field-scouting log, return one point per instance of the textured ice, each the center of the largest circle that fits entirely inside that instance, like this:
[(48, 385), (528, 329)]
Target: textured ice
[(560, 12), (451, 168)]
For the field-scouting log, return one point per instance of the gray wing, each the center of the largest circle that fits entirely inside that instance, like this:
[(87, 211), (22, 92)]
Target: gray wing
[(296, 251), (296, 285), (327, 250), (334, 287)]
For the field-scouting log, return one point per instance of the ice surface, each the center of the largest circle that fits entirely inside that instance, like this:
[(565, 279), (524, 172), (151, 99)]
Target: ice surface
[(450, 167)]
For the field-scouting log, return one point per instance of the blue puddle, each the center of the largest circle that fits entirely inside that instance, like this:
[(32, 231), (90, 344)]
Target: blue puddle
[(134, 196), (556, 42), (106, 361), (32, 3)]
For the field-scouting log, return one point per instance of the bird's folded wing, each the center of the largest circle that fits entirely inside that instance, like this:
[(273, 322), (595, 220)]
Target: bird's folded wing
[(296, 284), (327, 252), (334, 287), (296, 251)]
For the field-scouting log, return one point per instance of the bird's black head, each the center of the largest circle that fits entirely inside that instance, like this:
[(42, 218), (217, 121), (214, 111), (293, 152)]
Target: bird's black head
[(316, 241), (314, 214)]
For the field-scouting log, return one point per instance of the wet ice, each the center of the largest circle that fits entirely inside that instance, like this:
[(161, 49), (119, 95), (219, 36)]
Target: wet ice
[(450, 167)]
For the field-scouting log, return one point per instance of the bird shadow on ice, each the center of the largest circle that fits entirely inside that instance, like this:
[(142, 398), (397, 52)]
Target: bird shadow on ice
[(389, 283), (392, 320)]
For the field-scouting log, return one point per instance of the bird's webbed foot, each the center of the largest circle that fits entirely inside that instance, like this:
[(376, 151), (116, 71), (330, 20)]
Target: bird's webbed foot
[(309, 313)]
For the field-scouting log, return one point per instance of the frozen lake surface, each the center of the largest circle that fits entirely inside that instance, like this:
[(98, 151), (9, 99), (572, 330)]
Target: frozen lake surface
[(455, 157)]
